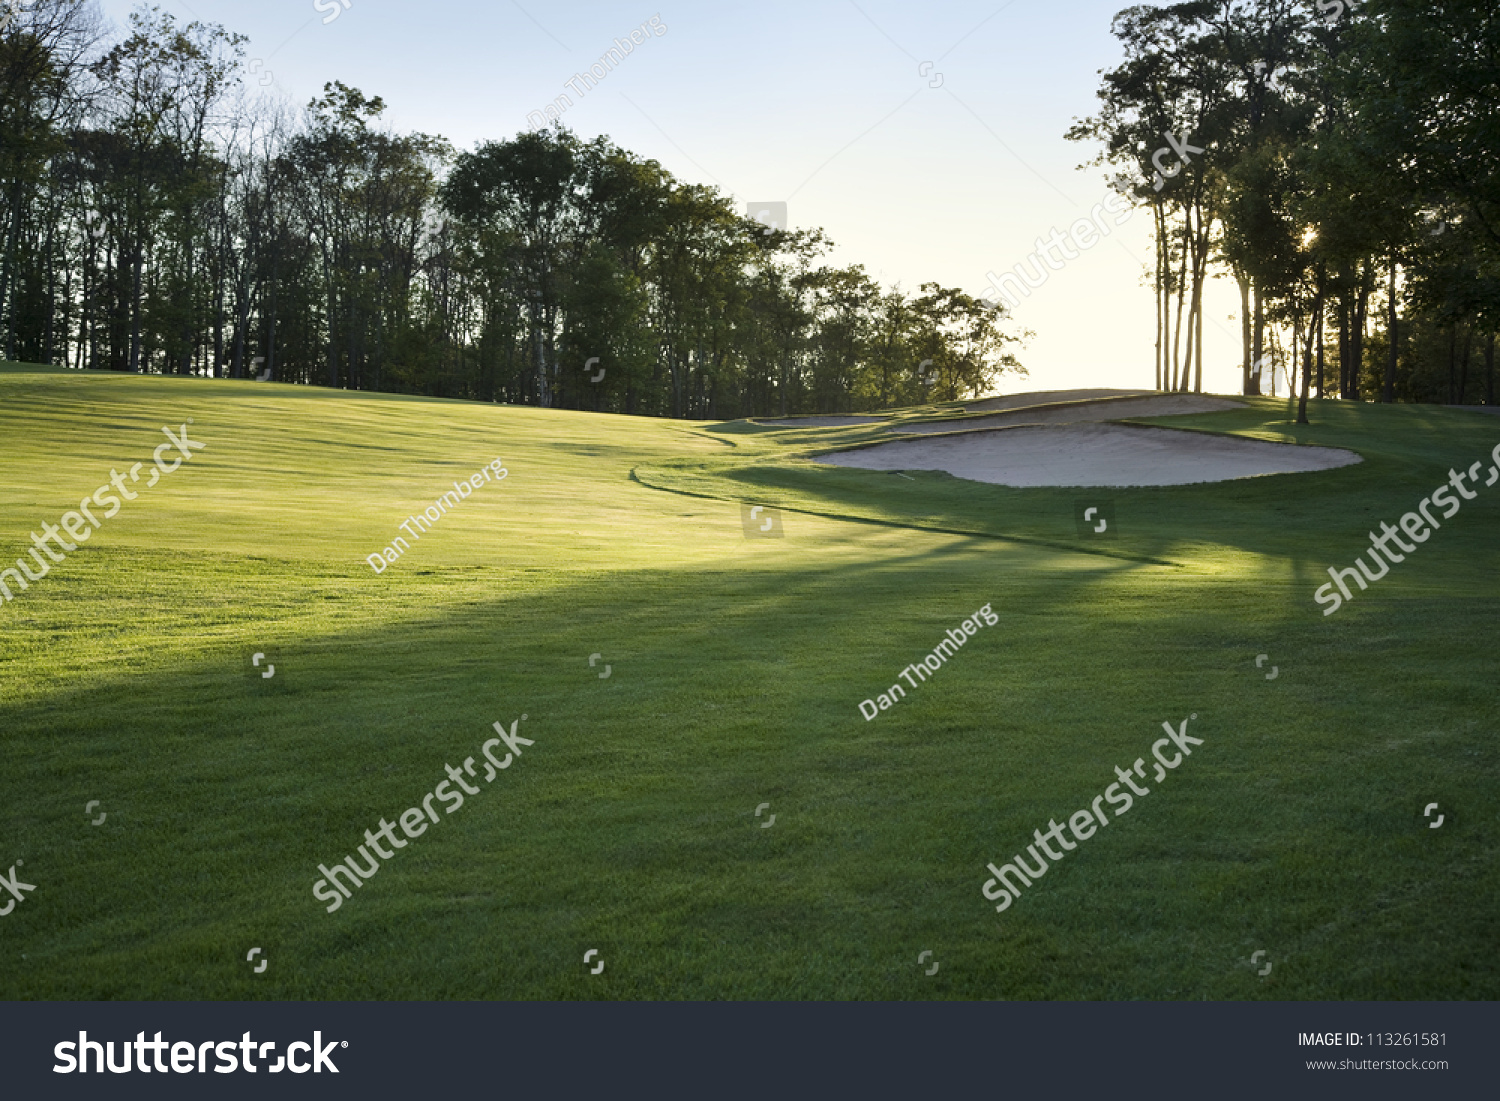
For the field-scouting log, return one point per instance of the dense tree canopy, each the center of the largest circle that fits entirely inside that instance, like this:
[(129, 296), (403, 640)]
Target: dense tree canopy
[(1349, 153), (157, 219), (1339, 160)]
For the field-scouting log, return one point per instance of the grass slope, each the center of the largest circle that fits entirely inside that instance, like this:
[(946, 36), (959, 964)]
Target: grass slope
[(737, 666)]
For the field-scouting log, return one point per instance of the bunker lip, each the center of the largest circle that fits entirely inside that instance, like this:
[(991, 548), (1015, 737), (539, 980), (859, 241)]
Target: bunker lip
[(1039, 407), (817, 422), (1091, 456), (1080, 412), (1003, 403)]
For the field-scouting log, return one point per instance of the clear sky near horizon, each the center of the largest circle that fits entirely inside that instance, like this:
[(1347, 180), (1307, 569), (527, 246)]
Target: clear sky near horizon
[(925, 139)]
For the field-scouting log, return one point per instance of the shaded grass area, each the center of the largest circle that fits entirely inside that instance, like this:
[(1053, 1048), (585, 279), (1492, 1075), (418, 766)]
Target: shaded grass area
[(736, 669)]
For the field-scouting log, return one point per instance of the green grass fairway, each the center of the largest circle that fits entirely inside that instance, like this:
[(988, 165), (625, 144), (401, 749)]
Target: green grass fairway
[(737, 666)]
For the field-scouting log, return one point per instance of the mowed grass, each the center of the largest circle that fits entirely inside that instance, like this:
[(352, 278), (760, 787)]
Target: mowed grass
[(736, 669)]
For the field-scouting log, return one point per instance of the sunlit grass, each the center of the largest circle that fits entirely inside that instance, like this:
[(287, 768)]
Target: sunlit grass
[(736, 669)]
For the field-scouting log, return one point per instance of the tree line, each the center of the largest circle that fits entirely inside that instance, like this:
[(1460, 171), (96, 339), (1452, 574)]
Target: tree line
[(1338, 160), (158, 217)]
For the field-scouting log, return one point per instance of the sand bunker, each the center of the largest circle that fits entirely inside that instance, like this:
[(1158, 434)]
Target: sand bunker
[(1094, 455), (820, 422), (1157, 405)]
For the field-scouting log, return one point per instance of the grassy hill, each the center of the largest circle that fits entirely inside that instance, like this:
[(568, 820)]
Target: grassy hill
[(737, 664)]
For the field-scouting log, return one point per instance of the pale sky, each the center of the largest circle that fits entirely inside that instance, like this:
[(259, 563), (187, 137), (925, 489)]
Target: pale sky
[(827, 105)]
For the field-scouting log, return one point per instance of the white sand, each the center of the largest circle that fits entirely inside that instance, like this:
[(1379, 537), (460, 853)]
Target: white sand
[(1161, 405), (1094, 455)]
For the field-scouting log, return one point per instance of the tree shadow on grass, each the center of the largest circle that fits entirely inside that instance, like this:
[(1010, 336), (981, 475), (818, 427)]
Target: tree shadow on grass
[(630, 821)]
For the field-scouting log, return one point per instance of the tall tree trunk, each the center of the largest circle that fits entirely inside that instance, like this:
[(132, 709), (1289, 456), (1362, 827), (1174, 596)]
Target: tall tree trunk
[(188, 333), (1192, 328), (785, 376), (549, 366), (333, 336), (1357, 329), (241, 327), (1246, 352), (1177, 325), (1388, 394), (218, 352), (1489, 370), (1198, 355), (1314, 323), (676, 364), (353, 346), (1452, 360), (1463, 368), (7, 263), (49, 353), (1346, 342), (1190, 244), (66, 321), (1259, 349), (136, 264), (1291, 379), (1163, 277), (1205, 227), (539, 356), (270, 344), (1320, 349)]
